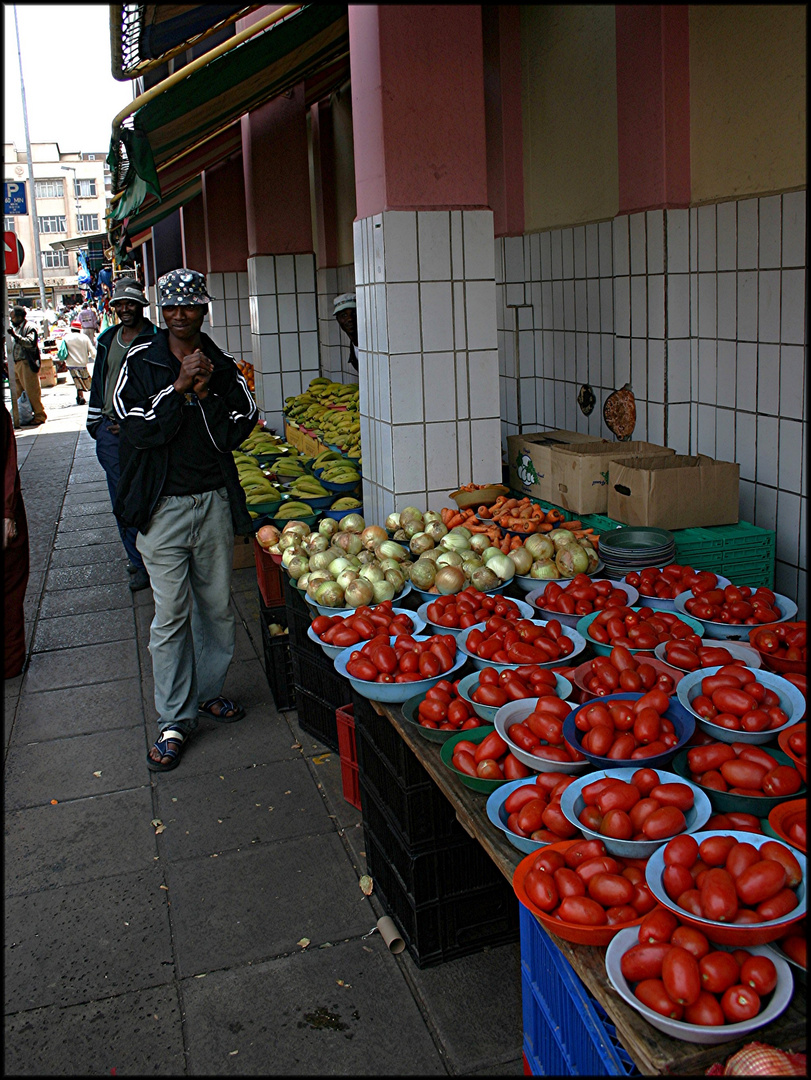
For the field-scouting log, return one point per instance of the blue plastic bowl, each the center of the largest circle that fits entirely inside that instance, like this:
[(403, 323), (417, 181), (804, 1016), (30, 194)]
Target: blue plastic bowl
[(498, 815), (578, 640), (393, 692), (684, 724)]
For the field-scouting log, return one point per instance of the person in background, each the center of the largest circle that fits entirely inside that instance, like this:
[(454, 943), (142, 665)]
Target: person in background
[(128, 302), (89, 320), (184, 407), (26, 362), (345, 311), (81, 351), (15, 555)]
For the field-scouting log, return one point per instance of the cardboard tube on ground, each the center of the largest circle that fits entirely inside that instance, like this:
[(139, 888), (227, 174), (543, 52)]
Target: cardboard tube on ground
[(388, 931)]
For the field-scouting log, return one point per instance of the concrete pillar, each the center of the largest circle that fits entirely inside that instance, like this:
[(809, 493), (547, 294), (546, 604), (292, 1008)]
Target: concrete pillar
[(424, 256), (193, 223), (167, 247)]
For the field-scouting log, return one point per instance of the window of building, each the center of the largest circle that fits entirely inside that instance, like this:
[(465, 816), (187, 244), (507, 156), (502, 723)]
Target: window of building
[(49, 189), (9, 224), (51, 259), (52, 223), (86, 188), (88, 222)]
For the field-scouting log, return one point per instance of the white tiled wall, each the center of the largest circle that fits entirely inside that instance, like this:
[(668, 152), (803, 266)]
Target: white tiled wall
[(429, 362), (704, 312), (334, 344), (282, 323)]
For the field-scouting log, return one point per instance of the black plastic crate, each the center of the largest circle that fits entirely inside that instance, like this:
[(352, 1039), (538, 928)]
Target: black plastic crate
[(298, 617), (438, 932), (278, 661), (317, 718), (385, 741), (317, 675)]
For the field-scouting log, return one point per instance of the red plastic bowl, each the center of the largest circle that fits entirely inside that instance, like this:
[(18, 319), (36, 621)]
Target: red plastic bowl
[(775, 663), (782, 742), (779, 815)]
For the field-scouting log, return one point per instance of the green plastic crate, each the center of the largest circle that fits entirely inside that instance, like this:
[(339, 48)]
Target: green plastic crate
[(749, 572)]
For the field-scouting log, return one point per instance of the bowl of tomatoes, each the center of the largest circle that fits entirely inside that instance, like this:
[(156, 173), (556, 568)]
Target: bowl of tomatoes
[(725, 709), (622, 670), (687, 656), (454, 613), (715, 1016), (658, 587), (793, 948), (489, 685), (782, 648), (734, 776), (789, 822), (746, 902), (483, 642), (638, 629), (325, 627), (569, 601), (559, 885), (654, 739), (722, 617), (481, 760), (533, 730), (439, 713), (521, 809), (634, 811), (364, 666), (793, 743)]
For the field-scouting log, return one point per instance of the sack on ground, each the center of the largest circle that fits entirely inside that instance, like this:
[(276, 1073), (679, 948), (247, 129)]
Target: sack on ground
[(24, 408)]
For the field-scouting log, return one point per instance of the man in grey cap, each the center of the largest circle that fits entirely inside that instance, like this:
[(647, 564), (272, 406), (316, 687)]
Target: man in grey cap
[(184, 407), (345, 311), (128, 303)]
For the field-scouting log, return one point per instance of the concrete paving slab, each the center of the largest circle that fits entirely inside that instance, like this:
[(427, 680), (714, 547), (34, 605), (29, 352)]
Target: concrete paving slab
[(79, 842), (88, 520), (342, 1011), (83, 497), (70, 945), (234, 810), (85, 474), (83, 509), (90, 555), (87, 538), (138, 1034), (65, 768), (81, 601), (79, 710), (79, 577), (249, 906), (263, 737), (69, 631), (77, 667)]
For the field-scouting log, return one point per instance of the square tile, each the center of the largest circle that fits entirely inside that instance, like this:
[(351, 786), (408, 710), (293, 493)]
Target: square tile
[(707, 309), (769, 231), (437, 316), (706, 238), (485, 448), (747, 306), (264, 317), (746, 376), (285, 273), (678, 249), (768, 381), (620, 246), (792, 381), (678, 428), (605, 239), (483, 383), (656, 371), (546, 255), (793, 224), (513, 256), (639, 367), (440, 454), (726, 235), (746, 500), (727, 305), (639, 306), (769, 305), (607, 305), (289, 352), (765, 507), (622, 361), (80, 666), (403, 315), (305, 273), (790, 462), (654, 227), (457, 247), (556, 242), (408, 454), (481, 315), (288, 313), (678, 305), (592, 251), (747, 234), (405, 378), (622, 306), (307, 317), (727, 354), (567, 252), (793, 307), (433, 234), (440, 388), (579, 245), (766, 464), (593, 305), (725, 434), (400, 244), (706, 430), (656, 306), (636, 225)]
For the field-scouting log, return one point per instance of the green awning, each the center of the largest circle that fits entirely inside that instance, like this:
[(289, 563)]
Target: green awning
[(123, 233), (212, 98)]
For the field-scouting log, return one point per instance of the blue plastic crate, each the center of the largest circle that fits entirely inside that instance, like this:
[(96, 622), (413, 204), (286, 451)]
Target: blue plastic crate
[(566, 1032)]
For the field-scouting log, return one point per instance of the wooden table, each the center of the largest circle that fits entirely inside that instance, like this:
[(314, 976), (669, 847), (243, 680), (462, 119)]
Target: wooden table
[(653, 1052)]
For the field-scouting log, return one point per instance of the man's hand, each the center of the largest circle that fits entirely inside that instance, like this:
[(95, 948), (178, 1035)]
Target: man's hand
[(114, 428), (9, 530), (195, 372)]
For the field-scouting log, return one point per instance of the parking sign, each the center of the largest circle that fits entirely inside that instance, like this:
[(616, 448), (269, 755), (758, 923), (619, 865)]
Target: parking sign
[(14, 197)]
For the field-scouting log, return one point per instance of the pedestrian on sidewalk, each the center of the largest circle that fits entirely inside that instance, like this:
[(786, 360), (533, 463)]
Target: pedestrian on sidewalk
[(81, 351), (89, 320), (128, 302), (27, 362), (15, 555), (184, 407)]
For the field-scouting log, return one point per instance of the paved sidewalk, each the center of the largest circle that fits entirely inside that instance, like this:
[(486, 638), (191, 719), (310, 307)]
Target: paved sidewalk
[(177, 952)]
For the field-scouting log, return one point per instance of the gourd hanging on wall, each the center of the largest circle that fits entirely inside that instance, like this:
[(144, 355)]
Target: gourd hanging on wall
[(619, 413)]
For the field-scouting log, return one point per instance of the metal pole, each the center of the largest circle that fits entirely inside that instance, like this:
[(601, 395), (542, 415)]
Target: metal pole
[(34, 219)]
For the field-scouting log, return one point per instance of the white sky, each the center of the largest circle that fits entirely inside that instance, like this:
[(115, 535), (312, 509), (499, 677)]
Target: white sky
[(71, 97)]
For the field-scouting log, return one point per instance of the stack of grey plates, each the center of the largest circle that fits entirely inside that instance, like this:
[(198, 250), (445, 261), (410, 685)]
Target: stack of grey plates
[(633, 547)]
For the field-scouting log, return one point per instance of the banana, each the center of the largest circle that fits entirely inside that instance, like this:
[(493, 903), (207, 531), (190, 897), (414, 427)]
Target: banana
[(293, 509), (345, 503)]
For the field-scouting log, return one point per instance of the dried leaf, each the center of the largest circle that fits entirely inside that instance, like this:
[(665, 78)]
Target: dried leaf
[(97, 773), (305, 941), (232, 1052), (321, 759), (166, 887), (366, 885), (160, 829), (156, 821)]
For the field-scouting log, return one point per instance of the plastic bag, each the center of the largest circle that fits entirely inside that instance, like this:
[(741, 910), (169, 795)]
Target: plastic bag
[(62, 351), (24, 408)]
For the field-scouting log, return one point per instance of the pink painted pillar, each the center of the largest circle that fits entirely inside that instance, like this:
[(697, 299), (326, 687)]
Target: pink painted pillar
[(193, 233), (280, 284), (502, 105), (653, 106), (424, 255)]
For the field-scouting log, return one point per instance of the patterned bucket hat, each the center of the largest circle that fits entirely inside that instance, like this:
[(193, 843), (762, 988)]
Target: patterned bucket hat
[(182, 288)]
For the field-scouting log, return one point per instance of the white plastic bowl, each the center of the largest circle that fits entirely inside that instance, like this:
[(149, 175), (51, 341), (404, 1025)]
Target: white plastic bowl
[(736, 649), (428, 596), (536, 597), (488, 712), (739, 631), (498, 815), (477, 662), (392, 692), (669, 605), (571, 804), (792, 703), (406, 589), (334, 650), (525, 609), (527, 583), (622, 942), (513, 713)]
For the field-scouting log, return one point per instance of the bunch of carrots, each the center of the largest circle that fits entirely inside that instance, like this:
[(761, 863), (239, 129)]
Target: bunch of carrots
[(516, 515)]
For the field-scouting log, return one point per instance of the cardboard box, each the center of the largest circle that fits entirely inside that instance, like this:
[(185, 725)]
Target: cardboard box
[(243, 553), (529, 459), (579, 473), (678, 492)]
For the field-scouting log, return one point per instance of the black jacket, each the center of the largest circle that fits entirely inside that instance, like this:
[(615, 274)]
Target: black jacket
[(97, 385), (149, 407)]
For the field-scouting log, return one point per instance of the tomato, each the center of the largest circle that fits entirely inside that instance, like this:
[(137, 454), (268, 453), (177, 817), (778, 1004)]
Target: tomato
[(676, 880), (691, 939), (463, 760), (680, 975), (796, 948), (556, 821), (719, 897), (582, 910), (644, 961), (760, 973), (740, 1003), (703, 758), (617, 825), (782, 781), (705, 1011), (530, 816), (610, 890), (489, 769), (541, 889), (666, 821), (620, 796), (760, 881), (719, 970), (744, 774), (658, 926), (651, 992), (681, 851), (777, 906), (569, 883), (741, 857), (674, 794)]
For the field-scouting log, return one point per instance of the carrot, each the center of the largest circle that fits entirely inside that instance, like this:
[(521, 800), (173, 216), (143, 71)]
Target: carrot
[(547, 527), (446, 514), (485, 512), (515, 542)]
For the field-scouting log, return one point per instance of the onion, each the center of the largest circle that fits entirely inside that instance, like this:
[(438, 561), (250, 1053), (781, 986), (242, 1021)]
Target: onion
[(411, 528), (328, 527), (382, 590), (522, 559), (315, 542), (348, 542), (431, 515), (489, 552), (594, 558), (298, 565), (571, 559), (366, 558), (449, 558), (410, 513), (316, 578), (296, 527), (502, 565), (562, 536), (396, 578), (267, 535), (388, 564), (479, 543), (432, 554), (460, 530), (399, 534), (352, 523), (372, 535), (393, 522), (454, 542), (540, 546), (760, 1059), (330, 594), (470, 560), (289, 551), (303, 582), (358, 593), (436, 529), (388, 549), (484, 579), (290, 539), (544, 570), (423, 574), (347, 576), (450, 579), (421, 542), (338, 565), (372, 573)]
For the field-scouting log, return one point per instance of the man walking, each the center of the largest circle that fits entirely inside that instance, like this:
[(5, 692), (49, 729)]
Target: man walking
[(27, 362), (184, 407), (81, 351), (89, 320), (128, 302)]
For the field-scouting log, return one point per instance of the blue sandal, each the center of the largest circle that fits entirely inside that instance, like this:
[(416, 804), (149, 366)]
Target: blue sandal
[(224, 706), (163, 748)]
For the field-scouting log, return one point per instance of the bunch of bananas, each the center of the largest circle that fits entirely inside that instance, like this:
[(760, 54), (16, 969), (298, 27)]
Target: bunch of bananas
[(293, 509), (263, 442), (330, 408), (346, 502), (307, 487), (289, 465), (340, 472)]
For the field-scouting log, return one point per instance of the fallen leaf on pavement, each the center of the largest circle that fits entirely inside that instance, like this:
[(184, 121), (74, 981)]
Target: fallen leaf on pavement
[(366, 885), (305, 941), (97, 773)]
